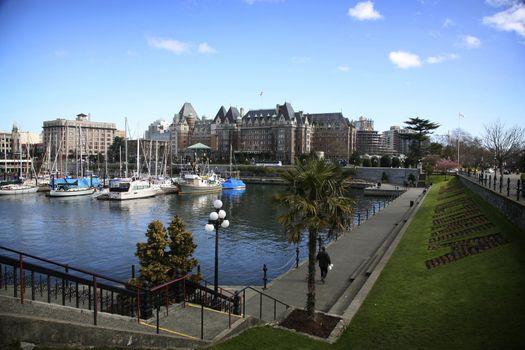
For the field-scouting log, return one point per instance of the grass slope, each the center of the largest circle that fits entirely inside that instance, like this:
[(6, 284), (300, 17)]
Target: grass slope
[(477, 302)]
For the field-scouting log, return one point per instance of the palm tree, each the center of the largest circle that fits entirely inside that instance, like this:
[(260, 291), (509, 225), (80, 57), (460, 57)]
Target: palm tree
[(315, 200)]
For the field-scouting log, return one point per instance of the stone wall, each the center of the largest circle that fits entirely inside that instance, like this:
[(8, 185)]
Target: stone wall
[(514, 211), (396, 176)]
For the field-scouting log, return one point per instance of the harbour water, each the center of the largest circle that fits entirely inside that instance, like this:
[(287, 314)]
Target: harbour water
[(101, 236)]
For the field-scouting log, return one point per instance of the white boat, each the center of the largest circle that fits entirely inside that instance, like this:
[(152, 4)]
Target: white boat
[(126, 189), (13, 189), (193, 183), (169, 187), (65, 191)]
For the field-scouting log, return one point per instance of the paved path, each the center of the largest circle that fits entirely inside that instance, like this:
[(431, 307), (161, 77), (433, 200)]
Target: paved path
[(348, 254)]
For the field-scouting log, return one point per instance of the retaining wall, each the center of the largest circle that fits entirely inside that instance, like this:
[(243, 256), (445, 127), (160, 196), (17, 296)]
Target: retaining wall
[(396, 176), (514, 211)]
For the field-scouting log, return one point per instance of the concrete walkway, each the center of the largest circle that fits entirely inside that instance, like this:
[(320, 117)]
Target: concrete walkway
[(354, 254)]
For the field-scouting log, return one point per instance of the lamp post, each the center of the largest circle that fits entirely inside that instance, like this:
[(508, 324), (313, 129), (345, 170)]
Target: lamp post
[(216, 221)]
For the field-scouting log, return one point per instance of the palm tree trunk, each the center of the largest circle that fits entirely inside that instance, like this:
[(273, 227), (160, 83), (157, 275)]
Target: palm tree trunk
[(310, 296)]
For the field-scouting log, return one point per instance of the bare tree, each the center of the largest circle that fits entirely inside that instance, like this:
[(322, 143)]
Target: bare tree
[(503, 143)]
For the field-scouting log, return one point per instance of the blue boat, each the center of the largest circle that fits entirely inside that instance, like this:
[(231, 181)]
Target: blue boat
[(233, 184)]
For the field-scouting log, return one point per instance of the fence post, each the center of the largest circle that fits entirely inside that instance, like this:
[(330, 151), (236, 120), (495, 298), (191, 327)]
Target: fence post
[(374, 209), (202, 321), (296, 257), (94, 300), (359, 218), (21, 280), (518, 191), (158, 308), (500, 183), (265, 278)]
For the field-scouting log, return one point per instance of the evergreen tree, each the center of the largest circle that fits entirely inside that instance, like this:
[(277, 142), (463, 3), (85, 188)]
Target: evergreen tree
[(165, 254), (422, 128), (153, 258), (386, 161), (181, 247)]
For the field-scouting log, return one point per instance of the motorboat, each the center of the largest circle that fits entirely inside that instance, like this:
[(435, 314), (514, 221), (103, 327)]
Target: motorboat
[(233, 184), (193, 183), (126, 189)]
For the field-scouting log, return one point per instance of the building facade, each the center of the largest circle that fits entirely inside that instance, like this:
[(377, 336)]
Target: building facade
[(332, 134), (276, 134), (159, 130), (70, 137)]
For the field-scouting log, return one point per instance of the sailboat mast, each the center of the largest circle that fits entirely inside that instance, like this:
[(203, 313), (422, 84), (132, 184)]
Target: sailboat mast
[(138, 156), (80, 139), (126, 147), (156, 156)]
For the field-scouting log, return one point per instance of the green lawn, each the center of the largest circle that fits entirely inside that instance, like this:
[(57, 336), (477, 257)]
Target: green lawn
[(477, 302)]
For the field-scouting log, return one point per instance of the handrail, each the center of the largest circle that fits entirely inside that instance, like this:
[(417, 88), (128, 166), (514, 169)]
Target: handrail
[(164, 285), (266, 295), (66, 266)]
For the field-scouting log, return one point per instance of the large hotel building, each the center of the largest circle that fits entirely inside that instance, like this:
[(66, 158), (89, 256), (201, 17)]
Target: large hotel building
[(279, 134)]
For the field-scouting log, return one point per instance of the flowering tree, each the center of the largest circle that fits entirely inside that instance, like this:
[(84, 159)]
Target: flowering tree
[(444, 165)]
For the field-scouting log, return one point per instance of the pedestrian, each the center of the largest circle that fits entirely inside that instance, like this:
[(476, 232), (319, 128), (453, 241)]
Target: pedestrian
[(324, 262)]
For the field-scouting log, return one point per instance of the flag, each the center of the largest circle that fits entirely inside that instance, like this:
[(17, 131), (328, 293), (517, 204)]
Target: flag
[(261, 93), (461, 115)]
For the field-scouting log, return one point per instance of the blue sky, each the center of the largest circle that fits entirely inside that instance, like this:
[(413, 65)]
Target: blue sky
[(385, 60)]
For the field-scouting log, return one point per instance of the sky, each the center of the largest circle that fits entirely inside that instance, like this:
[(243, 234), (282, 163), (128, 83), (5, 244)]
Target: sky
[(385, 60)]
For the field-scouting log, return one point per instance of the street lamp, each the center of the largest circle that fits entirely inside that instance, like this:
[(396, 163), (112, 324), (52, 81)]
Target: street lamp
[(217, 220)]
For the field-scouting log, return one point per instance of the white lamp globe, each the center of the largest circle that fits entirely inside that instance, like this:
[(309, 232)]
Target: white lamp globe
[(217, 204), (222, 214), (214, 216), (208, 227), (225, 224)]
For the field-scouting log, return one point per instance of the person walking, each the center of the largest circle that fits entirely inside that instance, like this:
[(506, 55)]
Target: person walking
[(324, 262)]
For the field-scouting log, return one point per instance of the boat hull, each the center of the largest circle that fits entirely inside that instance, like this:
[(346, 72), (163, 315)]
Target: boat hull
[(71, 192), (123, 196), (17, 191), (189, 189)]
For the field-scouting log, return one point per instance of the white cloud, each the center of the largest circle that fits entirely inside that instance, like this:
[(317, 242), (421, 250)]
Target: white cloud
[(499, 3), (404, 60), (301, 60), (175, 46), (343, 68), (131, 53), (510, 20), (441, 58), (206, 49), (448, 23), (364, 11), (470, 42)]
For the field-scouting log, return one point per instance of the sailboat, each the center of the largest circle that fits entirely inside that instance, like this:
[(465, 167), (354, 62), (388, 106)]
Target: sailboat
[(134, 188), (70, 187), (232, 183), (24, 187)]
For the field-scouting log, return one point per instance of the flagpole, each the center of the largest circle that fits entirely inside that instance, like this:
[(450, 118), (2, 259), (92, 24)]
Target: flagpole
[(459, 132)]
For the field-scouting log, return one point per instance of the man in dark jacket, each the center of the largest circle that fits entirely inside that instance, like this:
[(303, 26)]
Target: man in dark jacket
[(324, 262)]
